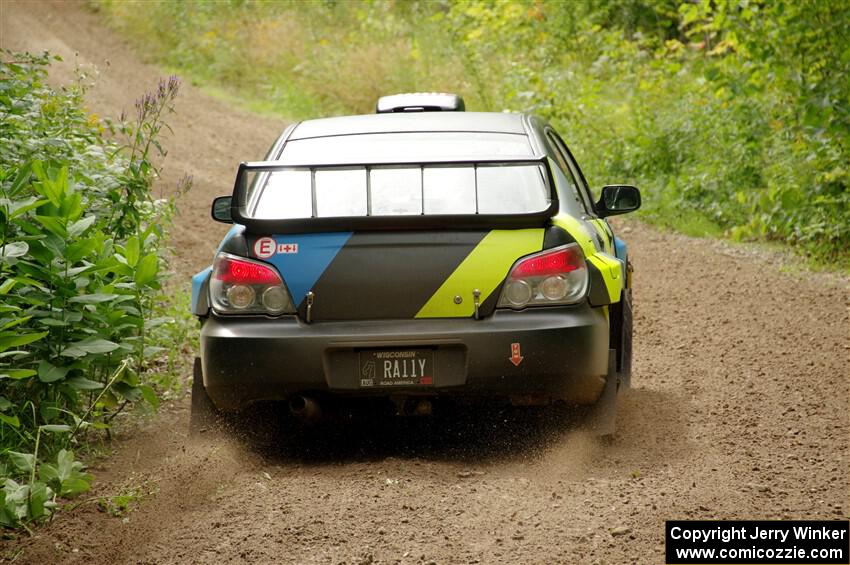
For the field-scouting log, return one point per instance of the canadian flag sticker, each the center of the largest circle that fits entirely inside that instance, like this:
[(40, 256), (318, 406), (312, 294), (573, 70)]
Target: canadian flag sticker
[(287, 248)]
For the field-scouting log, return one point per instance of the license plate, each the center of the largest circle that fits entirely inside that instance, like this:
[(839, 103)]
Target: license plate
[(396, 367)]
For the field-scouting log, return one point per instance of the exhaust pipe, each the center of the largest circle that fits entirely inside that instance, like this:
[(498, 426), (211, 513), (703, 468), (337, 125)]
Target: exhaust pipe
[(305, 409), (412, 406)]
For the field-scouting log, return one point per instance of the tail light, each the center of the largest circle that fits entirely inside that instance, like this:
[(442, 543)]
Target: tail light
[(552, 277), (244, 286)]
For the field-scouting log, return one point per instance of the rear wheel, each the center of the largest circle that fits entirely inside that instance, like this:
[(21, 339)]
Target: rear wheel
[(203, 415), (621, 337), (602, 416), (599, 419)]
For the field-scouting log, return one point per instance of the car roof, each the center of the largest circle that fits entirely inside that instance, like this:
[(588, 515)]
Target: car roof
[(397, 122)]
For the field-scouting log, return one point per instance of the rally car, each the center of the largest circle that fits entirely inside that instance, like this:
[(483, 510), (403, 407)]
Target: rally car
[(420, 254)]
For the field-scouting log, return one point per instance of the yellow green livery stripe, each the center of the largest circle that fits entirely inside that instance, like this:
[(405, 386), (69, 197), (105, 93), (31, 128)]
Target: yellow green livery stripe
[(603, 235), (611, 270), (483, 269), (609, 266), (575, 228)]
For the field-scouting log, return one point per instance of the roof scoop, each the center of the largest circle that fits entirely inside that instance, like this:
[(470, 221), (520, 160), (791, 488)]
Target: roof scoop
[(420, 102)]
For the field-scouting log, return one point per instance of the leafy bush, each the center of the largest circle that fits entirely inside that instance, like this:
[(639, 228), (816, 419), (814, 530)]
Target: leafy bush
[(81, 259), (733, 116)]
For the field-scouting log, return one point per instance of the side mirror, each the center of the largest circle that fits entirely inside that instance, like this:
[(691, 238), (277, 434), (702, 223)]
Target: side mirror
[(221, 209), (618, 199)]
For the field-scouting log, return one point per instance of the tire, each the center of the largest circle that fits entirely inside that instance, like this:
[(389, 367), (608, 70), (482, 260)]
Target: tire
[(203, 415), (624, 367), (601, 419), (621, 337)]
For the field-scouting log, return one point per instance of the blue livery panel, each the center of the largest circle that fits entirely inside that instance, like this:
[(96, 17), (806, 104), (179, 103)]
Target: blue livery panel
[(622, 253), (197, 285), (302, 258)]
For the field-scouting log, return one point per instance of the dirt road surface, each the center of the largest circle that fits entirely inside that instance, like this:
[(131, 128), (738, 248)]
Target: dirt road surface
[(739, 406)]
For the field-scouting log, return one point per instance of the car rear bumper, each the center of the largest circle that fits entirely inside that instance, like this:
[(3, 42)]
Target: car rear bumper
[(564, 355)]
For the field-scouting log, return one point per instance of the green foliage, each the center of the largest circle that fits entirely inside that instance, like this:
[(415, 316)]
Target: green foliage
[(735, 112), (172, 343), (23, 502), (729, 114), (81, 245), (129, 496), (300, 59)]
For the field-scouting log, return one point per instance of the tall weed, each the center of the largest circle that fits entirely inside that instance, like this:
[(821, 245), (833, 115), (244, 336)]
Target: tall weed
[(81, 260)]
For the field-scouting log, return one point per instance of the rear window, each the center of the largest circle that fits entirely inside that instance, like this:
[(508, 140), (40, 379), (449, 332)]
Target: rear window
[(405, 148), (400, 190)]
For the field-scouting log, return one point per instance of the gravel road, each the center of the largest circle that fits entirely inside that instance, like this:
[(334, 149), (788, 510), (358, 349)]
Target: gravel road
[(739, 406)]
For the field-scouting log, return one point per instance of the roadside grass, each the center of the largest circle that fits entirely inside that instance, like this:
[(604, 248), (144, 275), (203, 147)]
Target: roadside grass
[(173, 343), (298, 59), (689, 223), (299, 106)]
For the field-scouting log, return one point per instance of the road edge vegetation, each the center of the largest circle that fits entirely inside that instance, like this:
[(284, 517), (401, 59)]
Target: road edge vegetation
[(83, 258)]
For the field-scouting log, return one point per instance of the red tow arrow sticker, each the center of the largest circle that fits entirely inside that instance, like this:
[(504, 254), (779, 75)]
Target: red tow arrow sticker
[(516, 357)]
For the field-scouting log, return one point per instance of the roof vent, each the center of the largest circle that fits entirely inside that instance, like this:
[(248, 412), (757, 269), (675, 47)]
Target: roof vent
[(420, 102)]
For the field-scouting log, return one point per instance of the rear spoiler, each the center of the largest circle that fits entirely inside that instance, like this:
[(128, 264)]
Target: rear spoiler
[(241, 203)]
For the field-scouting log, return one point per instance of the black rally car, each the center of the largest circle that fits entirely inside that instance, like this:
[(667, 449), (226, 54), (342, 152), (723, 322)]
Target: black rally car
[(416, 254)]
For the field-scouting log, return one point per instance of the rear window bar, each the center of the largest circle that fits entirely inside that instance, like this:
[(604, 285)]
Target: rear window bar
[(240, 204)]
